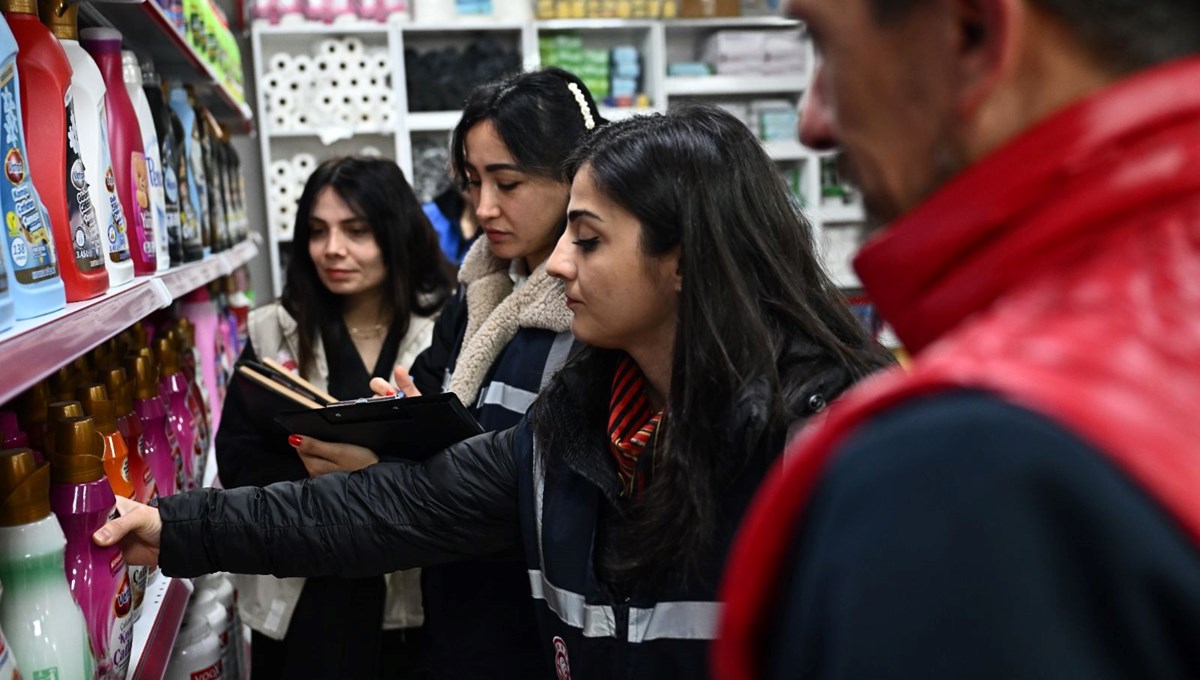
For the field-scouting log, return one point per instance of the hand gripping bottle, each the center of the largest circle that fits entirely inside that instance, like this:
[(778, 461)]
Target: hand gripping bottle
[(83, 500)]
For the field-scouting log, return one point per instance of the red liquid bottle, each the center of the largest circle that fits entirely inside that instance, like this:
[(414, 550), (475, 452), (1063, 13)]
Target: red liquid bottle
[(125, 145), (54, 160)]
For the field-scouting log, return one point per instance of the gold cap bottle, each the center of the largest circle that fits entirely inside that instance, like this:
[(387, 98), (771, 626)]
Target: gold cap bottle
[(79, 458), (62, 384), (61, 16), (167, 354), (24, 488), (32, 408), (95, 401), (55, 412), (145, 374)]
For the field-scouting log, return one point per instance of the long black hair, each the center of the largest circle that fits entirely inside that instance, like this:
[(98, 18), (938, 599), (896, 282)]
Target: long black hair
[(536, 114), (419, 277), (754, 298)]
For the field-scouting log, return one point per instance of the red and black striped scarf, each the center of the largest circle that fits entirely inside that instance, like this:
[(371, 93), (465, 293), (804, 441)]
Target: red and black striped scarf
[(631, 424)]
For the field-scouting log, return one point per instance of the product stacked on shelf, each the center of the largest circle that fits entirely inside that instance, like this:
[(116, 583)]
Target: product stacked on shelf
[(613, 75), (440, 79), (210, 644), (285, 182), (204, 26), (401, 11), (106, 424), (342, 85), (87, 201), (607, 9)]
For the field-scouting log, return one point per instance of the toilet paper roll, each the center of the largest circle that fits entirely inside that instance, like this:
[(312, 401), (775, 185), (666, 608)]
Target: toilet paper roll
[(281, 121), (280, 172), (281, 102), (368, 118), (383, 65), (326, 99), (302, 166), (302, 66), (329, 47), (353, 46), (387, 118), (281, 62), (303, 120), (328, 66), (345, 117), (277, 82)]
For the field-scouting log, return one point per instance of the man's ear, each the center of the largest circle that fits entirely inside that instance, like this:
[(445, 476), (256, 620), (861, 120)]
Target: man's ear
[(989, 34)]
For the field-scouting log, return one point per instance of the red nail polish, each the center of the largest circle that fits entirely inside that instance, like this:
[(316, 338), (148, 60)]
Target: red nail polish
[(295, 440), (391, 393)]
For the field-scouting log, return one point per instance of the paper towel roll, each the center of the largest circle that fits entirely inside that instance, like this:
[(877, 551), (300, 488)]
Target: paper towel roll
[(383, 65), (281, 62), (281, 102), (302, 166), (345, 117), (387, 118), (281, 121), (277, 82), (353, 46), (329, 47), (326, 99), (281, 173)]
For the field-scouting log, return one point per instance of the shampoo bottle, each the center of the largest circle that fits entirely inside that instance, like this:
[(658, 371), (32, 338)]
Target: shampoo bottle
[(54, 163), (43, 623), (125, 145), (91, 117), (31, 264), (83, 501), (132, 71)]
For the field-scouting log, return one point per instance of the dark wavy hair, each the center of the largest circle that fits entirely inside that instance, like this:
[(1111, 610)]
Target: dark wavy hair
[(536, 116), (754, 297), (419, 277)]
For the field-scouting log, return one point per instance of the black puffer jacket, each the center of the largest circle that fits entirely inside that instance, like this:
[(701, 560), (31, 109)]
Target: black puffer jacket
[(495, 493)]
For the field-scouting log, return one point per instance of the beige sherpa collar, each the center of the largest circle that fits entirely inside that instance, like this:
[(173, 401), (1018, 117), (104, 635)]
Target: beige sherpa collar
[(495, 313)]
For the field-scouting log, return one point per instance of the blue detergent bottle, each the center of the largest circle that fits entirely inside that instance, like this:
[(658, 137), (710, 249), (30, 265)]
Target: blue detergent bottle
[(30, 262), (196, 191)]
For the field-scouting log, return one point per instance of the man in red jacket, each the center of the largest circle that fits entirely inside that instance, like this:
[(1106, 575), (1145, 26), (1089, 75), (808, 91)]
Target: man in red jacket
[(1025, 502)]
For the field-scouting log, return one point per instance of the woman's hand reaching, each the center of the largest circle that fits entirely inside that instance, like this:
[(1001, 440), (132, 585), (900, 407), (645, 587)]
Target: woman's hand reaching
[(138, 532)]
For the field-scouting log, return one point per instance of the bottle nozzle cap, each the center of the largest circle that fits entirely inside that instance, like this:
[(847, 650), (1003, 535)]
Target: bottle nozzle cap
[(146, 375), (24, 488), (96, 403), (80, 451), (56, 412)]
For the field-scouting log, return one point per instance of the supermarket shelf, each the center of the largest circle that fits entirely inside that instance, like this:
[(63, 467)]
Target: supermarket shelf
[(722, 85), (462, 25), (767, 21), (80, 326), (840, 214), (786, 150), (593, 24), (332, 134), (174, 59), (623, 112), (154, 633), (433, 121), (318, 28)]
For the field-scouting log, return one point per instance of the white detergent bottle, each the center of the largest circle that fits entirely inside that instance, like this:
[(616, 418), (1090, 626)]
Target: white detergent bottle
[(132, 70), (88, 89), (197, 652), (43, 623)]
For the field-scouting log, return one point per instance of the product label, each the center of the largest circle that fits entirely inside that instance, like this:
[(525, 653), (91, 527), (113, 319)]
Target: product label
[(211, 673), (142, 219), (116, 663), (85, 233), (198, 179), (46, 673), (189, 221), (118, 238), (27, 227)]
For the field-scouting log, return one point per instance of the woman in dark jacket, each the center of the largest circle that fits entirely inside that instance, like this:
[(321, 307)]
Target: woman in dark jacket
[(713, 333)]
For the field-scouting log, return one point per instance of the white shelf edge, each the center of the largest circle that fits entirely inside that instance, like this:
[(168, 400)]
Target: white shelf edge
[(594, 24), (432, 121), (317, 28), (155, 632), (765, 21), (785, 150), (472, 24), (683, 86)]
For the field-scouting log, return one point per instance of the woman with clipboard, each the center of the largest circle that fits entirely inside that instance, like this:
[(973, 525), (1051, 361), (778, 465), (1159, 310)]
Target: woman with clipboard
[(364, 286), (713, 333)]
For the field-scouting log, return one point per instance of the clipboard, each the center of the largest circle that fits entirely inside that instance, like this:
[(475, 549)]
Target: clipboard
[(395, 428)]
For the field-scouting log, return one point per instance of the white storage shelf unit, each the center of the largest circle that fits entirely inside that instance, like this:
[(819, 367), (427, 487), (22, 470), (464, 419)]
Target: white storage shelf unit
[(660, 43)]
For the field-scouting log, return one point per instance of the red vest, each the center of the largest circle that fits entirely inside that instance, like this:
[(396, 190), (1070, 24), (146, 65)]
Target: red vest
[(1062, 273)]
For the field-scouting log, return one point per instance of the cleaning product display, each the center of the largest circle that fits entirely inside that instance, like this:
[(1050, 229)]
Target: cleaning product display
[(55, 165), (342, 84), (197, 652), (131, 70), (231, 637), (604, 9), (180, 422), (83, 501), (31, 264), (41, 620), (88, 94), (159, 446), (160, 115), (125, 145), (191, 174)]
